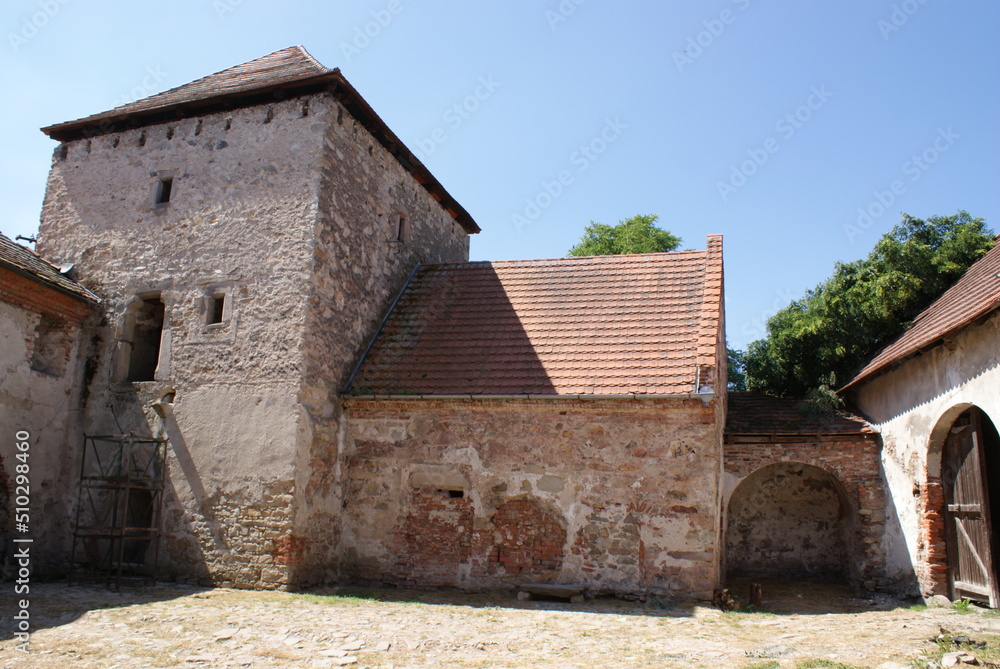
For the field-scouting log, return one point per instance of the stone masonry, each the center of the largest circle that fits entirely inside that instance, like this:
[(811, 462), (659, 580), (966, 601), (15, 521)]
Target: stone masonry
[(289, 212)]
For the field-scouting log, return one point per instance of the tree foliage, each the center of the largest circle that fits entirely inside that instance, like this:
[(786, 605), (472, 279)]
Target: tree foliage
[(736, 368), (842, 323), (638, 234)]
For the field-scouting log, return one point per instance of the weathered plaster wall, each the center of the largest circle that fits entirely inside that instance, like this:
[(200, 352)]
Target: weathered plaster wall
[(620, 495), (46, 406), (292, 211), (913, 406), (852, 463), (240, 221), (359, 266)]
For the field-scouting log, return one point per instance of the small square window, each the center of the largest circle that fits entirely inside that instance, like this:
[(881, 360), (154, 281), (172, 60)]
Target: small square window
[(163, 189), (216, 309)]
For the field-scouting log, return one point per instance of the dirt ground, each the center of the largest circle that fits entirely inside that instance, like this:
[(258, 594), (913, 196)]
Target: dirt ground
[(801, 624)]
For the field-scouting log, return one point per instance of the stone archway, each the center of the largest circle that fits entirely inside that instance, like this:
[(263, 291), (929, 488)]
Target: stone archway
[(790, 520)]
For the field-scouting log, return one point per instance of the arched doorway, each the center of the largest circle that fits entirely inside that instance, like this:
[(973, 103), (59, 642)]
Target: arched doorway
[(789, 520), (970, 459)]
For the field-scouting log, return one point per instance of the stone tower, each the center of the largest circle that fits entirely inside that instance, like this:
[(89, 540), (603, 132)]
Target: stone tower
[(246, 233)]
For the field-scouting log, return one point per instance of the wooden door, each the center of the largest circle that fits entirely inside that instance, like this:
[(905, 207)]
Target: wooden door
[(967, 512)]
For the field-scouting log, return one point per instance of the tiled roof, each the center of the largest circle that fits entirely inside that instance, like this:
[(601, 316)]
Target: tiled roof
[(291, 65), (287, 73), (24, 261), (760, 414), (604, 325), (973, 296)]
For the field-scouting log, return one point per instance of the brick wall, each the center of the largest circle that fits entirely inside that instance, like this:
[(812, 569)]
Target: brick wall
[(932, 547), (617, 495), (31, 295), (854, 463)]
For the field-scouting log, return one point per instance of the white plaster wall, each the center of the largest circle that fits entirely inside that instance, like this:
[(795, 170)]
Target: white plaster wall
[(46, 407), (907, 404)]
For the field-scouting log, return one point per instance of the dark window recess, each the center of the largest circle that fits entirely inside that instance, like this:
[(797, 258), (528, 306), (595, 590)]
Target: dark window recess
[(163, 189), (52, 346), (146, 340), (456, 494), (403, 229), (216, 305)]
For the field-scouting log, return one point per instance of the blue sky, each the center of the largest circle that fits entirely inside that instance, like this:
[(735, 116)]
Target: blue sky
[(778, 124)]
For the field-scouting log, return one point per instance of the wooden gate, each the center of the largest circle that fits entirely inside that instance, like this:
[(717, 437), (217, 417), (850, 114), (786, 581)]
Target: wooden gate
[(967, 512)]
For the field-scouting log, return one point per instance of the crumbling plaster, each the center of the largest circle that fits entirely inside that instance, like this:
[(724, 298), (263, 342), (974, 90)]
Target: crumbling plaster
[(47, 408), (288, 209), (633, 482), (913, 406)]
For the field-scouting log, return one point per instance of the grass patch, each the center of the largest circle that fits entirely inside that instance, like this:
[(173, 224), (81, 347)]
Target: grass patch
[(963, 607), (350, 597), (982, 647), (826, 664), (769, 664)]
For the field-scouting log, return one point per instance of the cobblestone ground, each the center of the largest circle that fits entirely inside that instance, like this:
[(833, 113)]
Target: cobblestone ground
[(177, 626)]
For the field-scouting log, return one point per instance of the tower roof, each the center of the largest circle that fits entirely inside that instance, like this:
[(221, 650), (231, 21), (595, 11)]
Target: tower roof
[(284, 74)]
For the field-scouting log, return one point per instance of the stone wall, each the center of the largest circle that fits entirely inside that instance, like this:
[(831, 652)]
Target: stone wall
[(289, 214), (361, 261), (913, 407), (790, 501), (620, 495), (239, 223), (39, 395)]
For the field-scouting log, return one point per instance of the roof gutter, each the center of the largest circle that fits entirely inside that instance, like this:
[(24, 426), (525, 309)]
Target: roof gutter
[(706, 398)]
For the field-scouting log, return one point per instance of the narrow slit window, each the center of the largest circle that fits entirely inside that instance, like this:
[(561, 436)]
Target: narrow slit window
[(216, 309), (403, 229), (163, 189)]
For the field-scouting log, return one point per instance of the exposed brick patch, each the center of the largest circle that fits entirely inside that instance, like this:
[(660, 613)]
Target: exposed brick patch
[(529, 540), (437, 538), (289, 549), (932, 549), (33, 296)]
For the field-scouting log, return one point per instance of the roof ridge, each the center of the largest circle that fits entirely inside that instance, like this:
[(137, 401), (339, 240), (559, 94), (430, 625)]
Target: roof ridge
[(622, 257)]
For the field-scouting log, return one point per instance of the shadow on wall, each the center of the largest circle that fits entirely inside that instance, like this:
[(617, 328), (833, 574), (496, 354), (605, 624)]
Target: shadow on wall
[(791, 520)]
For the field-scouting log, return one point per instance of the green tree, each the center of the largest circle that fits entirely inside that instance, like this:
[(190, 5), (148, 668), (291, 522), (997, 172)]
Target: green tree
[(638, 234), (837, 327), (736, 366)]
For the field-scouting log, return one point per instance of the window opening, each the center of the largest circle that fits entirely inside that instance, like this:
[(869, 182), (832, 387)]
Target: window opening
[(146, 340), (163, 189), (216, 307)]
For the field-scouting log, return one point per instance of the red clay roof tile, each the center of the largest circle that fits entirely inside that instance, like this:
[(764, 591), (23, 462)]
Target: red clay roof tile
[(973, 296), (605, 325), (757, 413), (26, 262)]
